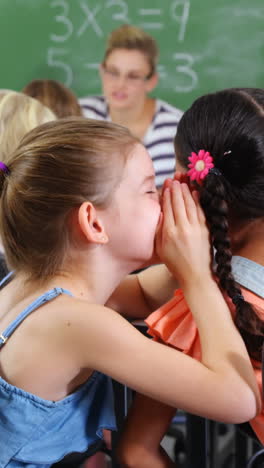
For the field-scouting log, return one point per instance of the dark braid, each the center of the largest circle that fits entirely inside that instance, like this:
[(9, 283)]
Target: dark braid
[(215, 207), (230, 125), (216, 210)]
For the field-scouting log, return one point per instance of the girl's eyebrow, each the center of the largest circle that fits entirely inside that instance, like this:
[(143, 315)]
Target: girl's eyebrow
[(147, 179)]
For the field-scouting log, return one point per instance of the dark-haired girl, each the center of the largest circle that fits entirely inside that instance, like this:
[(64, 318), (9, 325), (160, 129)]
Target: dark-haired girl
[(220, 147)]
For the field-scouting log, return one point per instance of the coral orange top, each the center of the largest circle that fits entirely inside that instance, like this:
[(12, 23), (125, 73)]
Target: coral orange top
[(174, 325)]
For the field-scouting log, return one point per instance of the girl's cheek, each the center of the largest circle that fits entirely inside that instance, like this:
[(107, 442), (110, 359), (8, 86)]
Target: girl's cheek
[(158, 214)]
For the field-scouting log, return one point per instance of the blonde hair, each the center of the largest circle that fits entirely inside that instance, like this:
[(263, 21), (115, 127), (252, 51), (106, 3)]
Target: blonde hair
[(18, 115), (57, 167), (131, 37), (53, 94), (5, 91)]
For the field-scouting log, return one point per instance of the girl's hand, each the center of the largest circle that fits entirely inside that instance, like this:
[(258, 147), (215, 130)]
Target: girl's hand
[(182, 240), (182, 178)]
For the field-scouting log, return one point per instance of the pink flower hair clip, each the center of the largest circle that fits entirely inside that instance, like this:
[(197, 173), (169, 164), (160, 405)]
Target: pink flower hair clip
[(200, 164)]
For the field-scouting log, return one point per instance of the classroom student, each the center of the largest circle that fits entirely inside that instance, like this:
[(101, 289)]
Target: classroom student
[(129, 73), (74, 195), (18, 115), (220, 147), (55, 95)]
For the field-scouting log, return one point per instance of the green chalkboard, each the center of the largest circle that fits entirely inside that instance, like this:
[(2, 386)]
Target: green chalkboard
[(204, 44)]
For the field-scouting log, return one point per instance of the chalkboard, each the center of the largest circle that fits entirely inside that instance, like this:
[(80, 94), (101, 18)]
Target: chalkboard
[(204, 44)]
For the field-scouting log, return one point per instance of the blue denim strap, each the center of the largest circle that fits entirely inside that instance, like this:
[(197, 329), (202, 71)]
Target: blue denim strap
[(6, 279), (249, 274), (47, 296)]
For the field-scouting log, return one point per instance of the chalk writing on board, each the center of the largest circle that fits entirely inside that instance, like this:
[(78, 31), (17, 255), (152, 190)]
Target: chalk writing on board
[(185, 78), (122, 14), (64, 19), (162, 71), (154, 14), (182, 18), (92, 66), (184, 63), (54, 59), (90, 19)]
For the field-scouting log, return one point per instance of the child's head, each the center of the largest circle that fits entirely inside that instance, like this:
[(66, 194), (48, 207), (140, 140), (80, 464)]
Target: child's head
[(128, 70), (229, 125), (18, 115), (53, 94), (58, 168)]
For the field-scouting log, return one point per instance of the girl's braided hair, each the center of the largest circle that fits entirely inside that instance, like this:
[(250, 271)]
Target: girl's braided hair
[(230, 125)]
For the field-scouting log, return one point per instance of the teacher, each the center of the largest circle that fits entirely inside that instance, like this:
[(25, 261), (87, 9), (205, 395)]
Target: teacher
[(129, 73)]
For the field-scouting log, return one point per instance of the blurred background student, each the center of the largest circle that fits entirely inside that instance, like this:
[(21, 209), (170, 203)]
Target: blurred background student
[(18, 115), (129, 73), (53, 94)]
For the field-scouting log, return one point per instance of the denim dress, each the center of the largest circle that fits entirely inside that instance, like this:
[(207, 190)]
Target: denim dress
[(37, 433)]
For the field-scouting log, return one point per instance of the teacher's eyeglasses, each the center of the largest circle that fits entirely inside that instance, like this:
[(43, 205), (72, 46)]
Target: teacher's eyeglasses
[(130, 78)]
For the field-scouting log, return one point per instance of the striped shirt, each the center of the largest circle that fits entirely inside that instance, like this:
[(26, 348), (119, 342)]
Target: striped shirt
[(158, 139)]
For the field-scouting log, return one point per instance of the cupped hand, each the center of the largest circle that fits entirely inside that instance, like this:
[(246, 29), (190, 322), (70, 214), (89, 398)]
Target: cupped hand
[(182, 177), (182, 240)]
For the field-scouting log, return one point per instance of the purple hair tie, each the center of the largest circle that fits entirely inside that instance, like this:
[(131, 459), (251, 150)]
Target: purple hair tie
[(4, 168)]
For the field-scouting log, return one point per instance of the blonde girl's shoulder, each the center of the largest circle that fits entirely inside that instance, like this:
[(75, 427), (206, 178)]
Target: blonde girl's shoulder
[(79, 317), (77, 312)]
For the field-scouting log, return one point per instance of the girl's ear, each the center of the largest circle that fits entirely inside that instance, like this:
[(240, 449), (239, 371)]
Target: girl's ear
[(152, 82), (91, 224)]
